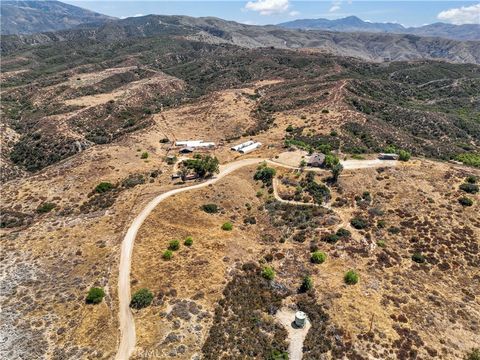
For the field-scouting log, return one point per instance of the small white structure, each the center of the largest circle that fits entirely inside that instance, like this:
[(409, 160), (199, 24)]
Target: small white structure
[(195, 144), (300, 319), (250, 148), (242, 145), (388, 156)]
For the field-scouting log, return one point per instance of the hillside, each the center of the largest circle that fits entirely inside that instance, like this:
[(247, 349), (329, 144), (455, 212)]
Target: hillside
[(28, 17), (354, 24), (366, 46)]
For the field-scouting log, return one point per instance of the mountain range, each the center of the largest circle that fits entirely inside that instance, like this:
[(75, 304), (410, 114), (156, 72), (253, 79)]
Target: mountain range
[(354, 24)]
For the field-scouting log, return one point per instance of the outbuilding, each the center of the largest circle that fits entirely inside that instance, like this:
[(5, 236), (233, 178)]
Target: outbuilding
[(250, 148), (242, 145), (316, 160), (388, 156)]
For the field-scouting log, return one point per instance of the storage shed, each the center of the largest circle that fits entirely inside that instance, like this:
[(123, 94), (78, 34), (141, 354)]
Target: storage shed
[(316, 160)]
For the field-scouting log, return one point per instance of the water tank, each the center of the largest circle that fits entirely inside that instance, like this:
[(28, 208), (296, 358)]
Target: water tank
[(300, 318)]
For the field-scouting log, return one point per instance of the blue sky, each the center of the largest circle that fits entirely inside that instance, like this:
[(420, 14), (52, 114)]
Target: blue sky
[(408, 13)]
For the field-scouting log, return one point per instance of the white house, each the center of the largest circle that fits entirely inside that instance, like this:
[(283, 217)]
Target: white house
[(242, 145), (250, 148), (195, 144)]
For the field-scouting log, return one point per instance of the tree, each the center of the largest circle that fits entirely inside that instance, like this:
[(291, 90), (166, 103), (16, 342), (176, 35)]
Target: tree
[(307, 284), (103, 187), (95, 295), (404, 155), (142, 298), (331, 160), (336, 171), (204, 166), (183, 172), (265, 174)]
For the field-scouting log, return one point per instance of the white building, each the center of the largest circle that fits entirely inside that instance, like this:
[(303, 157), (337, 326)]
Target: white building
[(250, 148), (195, 144), (242, 145)]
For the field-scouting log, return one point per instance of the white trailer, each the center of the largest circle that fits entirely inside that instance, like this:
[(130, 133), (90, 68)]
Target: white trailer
[(242, 145), (188, 143), (204, 145), (250, 148)]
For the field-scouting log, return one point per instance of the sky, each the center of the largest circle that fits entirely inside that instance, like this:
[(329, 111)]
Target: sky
[(261, 12)]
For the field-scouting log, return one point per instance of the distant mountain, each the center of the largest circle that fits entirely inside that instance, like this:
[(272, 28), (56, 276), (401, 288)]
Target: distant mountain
[(29, 17), (363, 45), (354, 24)]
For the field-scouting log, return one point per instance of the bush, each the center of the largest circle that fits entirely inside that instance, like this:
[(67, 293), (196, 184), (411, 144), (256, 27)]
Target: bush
[(204, 166), (289, 128), (381, 243), (464, 201), (278, 355), (351, 277), (164, 141), (418, 258), (167, 254), (144, 155), (210, 208), (325, 111), (45, 208), (95, 295), (469, 159), (228, 226), (318, 257), (104, 187), (342, 232), (188, 241), (265, 174), (474, 354), (404, 155), (142, 298), (331, 238), (331, 160), (359, 223), (471, 179), (469, 188), (268, 273), (174, 245), (393, 230), (307, 284)]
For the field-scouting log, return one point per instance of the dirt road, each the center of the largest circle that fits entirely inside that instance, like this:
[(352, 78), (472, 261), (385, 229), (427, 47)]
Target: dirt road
[(127, 323)]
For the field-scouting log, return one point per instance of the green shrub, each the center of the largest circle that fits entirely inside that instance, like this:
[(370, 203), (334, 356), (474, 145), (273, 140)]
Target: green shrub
[(318, 257), (167, 254), (471, 179), (418, 258), (331, 160), (325, 111), (307, 284), (142, 298), (331, 238), (351, 277), (204, 166), (342, 232), (164, 141), (469, 159), (265, 174), (469, 188), (289, 128), (474, 354), (104, 187), (464, 201), (278, 355), (95, 295), (393, 230), (228, 226), (359, 223), (268, 273), (210, 208), (404, 155), (188, 241), (174, 245), (381, 243), (144, 155), (45, 208), (381, 224), (333, 133)]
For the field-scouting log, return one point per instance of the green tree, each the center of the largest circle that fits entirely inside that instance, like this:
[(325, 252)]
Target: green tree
[(204, 166), (95, 295), (331, 160), (307, 284), (104, 187), (142, 298), (404, 155), (336, 171), (265, 174)]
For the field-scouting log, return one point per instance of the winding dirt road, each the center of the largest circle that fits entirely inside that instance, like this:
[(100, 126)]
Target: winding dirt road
[(127, 323)]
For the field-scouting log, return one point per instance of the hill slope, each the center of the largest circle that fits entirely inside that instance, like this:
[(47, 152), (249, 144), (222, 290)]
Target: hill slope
[(353, 24), (28, 17)]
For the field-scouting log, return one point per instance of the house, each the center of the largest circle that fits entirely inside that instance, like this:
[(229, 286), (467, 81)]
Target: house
[(250, 148), (316, 160), (388, 156), (195, 144), (242, 145)]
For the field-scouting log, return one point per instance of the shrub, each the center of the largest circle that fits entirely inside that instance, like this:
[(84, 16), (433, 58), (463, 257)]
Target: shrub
[(474, 354), (289, 128), (333, 133), (164, 141), (167, 255), (104, 187), (278, 355), (174, 245), (210, 208), (469, 188), (393, 230), (331, 238), (342, 232), (404, 155), (318, 257), (381, 243), (325, 111), (381, 224), (307, 284), (471, 179), (203, 166), (351, 277), (228, 226), (418, 258), (45, 208), (144, 155), (142, 298), (268, 273), (359, 223), (265, 174), (464, 201), (95, 295), (331, 160), (188, 241), (469, 159)]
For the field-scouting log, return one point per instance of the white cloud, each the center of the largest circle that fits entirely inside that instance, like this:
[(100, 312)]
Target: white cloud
[(268, 7), (294, 13), (336, 5), (462, 15)]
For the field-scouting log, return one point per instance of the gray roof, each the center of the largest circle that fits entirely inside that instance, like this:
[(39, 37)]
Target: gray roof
[(316, 158)]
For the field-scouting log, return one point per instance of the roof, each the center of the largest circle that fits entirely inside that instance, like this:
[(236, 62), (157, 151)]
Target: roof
[(316, 158)]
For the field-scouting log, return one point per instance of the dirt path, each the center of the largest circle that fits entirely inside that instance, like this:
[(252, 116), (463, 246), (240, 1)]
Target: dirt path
[(296, 336), (127, 323)]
